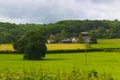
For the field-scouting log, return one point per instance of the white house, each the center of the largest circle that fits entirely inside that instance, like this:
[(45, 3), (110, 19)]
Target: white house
[(74, 39)]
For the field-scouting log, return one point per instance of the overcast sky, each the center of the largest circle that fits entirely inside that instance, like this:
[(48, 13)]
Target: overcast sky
[(50, 11)]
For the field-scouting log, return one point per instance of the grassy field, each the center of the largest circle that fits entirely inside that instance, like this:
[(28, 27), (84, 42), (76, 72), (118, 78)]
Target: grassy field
[(102, 43), (101, 61), (65, 46), (107, 43)]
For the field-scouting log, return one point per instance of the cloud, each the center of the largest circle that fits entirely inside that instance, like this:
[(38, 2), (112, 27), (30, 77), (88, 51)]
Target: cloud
[(107, 9), (102, 1), (47, 11)]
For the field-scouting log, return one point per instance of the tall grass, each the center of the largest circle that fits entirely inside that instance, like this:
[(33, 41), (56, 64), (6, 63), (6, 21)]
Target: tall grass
[(43, 74)]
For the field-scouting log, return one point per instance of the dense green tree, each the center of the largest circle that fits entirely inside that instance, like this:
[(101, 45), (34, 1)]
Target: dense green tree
[(64, 33), (80, 38), (101, 32), (58, 38), (93, 37), (32, 44)]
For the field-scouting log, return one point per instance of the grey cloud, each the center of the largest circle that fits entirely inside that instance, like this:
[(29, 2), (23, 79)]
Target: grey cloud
[(102, 1), (46, 11)]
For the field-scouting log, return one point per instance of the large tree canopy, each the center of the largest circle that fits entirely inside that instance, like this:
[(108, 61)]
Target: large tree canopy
[(32, 44)]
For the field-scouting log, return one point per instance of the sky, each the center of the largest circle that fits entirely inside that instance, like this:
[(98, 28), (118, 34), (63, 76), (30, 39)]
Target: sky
[(51, 11)]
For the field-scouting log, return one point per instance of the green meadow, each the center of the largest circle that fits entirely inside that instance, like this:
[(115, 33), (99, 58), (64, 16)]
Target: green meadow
[(103, 62), (107, 43)]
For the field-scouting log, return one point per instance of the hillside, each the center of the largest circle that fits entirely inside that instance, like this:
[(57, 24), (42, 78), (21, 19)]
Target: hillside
[(10, 32)]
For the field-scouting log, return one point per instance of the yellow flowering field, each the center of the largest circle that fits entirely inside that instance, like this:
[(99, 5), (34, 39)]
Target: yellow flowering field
[(6, 47), (102, 43), (9, 47), (65, 46)]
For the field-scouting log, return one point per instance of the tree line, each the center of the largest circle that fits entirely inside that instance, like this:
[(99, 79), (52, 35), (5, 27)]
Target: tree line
[(10, 32)]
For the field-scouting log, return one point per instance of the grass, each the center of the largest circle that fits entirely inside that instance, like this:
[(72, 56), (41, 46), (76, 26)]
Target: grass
[(102, 43), (101, 61), (107, 43)]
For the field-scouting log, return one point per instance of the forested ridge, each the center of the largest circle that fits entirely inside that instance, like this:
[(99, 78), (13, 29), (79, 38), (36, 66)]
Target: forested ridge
[(9, 32)]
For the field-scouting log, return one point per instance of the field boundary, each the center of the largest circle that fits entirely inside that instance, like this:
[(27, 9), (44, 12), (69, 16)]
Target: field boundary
[(71, 51), (88, 50)]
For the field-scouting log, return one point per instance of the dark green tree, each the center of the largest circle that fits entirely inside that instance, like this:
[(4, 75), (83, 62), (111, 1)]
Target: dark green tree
[(58, 38), (80, 39), (101, 33), (64, 33), (32, 44), (93, 37)]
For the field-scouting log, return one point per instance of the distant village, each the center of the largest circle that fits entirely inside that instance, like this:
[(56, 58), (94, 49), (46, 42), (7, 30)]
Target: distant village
[(84, 37)]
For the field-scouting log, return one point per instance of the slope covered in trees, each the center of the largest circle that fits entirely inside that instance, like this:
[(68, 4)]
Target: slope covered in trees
[(105, 29)]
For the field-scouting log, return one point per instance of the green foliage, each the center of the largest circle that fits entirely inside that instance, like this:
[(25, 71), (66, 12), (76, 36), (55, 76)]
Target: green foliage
[(80, 39), (100, 32), (64, 34), (10, 32), (32, 44), (58, 38), (93, 37), (52, 37)]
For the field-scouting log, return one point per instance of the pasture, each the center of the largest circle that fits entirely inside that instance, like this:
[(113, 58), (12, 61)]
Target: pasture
[(108, 62), (103, 62)]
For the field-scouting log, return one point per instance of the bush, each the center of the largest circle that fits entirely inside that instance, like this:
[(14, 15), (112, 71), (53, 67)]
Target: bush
[(32, 44)]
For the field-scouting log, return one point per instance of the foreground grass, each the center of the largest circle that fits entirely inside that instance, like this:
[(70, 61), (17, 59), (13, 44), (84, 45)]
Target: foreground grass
[(75, 74), (103, 62)]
